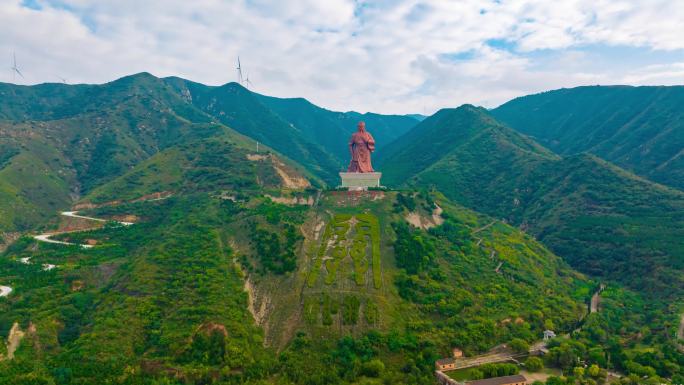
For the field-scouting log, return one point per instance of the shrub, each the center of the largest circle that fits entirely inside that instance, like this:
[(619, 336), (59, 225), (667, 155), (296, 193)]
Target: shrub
[(372, 368), (519, 345), (534, 364)]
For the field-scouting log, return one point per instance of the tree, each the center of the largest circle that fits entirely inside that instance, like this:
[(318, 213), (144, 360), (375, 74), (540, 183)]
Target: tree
[(578, 372), (519, 345), (594, 370), (553, 380), (413, 250), (534, 364), (373, 368)]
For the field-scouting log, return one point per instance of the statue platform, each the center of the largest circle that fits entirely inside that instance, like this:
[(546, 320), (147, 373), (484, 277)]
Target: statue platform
[(360, 180)]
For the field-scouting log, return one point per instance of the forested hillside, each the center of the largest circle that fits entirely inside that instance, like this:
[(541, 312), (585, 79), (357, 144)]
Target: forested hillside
[(164, 298), (603, 220), (196, 258), (640, 129), (59, 142), (310, 119)]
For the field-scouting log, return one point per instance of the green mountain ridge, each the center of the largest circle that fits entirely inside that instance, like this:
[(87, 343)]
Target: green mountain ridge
[(309, 118), (603, 220), (96, 133), (249, 270), (638, 128), (109, 130)]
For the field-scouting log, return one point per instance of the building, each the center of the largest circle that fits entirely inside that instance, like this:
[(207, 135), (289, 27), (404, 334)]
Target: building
[(548, 334), (457, 353), (445, 364), (516, 379)]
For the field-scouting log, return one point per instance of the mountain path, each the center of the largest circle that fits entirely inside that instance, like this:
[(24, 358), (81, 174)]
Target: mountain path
[(45, 237), (596, 299), (484, 227)]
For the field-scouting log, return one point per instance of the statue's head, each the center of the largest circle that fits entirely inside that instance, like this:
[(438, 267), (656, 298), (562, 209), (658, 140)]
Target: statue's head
[(361, 126)]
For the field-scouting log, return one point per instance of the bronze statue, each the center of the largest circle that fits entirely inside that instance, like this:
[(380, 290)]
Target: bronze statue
[(361, 145)]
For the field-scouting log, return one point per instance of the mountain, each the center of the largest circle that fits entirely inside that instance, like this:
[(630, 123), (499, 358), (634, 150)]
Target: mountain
[(59, 142), (640, 129), (333, 129), (209, 287), (315, 137), (241, 267), (603, 220), (240, 109), (418, 117)]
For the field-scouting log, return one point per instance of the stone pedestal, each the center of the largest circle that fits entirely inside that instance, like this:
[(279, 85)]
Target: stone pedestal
[(360, 180)]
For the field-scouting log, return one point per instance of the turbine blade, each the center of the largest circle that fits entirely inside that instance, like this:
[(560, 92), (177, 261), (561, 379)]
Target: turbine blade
[(19, 72)]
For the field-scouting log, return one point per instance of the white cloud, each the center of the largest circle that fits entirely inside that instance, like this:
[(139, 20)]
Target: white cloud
[(385, 56)]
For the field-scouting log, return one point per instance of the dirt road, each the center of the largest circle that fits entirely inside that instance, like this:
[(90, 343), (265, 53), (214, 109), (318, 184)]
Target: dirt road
[(73, 214)]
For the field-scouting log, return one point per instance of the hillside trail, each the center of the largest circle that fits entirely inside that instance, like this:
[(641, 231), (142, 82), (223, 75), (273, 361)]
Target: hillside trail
[(45, 237), (595, 299), (484, 227)]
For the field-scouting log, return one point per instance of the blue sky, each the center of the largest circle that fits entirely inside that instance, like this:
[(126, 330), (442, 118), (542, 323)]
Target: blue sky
[(396, 56)]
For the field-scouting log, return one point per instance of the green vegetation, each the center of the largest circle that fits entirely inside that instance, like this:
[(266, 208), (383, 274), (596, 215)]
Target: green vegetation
[(340, 240), (601, 219), (492, 370), (350, 310), (372, 312), (273, 255), (534, 364), (217, 283), (413, 251), (165, 289), (637, 128), (469, 303), (338, 126), (88, 135)]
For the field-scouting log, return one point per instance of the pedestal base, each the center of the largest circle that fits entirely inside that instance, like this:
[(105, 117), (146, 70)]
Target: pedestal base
[(360, 180)]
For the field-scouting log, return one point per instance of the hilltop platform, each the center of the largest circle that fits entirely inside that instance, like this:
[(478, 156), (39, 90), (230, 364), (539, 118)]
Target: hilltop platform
[(360, 180)]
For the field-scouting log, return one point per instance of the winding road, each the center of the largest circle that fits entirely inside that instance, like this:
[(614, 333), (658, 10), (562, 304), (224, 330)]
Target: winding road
[(45, 237)]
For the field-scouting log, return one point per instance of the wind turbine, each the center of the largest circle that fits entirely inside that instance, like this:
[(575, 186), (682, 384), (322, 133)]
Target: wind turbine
[(247, 82), (239, 69), (15, 69), (62, 79)]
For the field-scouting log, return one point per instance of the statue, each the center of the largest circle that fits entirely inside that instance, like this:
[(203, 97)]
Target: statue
[(361, 145)]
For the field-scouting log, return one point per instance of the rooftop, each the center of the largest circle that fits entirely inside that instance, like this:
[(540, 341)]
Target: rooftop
[(445, 361)]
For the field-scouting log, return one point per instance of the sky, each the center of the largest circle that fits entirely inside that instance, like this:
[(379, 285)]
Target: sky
[(400, 56)]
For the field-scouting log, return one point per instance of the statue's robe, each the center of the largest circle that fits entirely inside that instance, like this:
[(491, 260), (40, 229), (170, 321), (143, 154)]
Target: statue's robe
[(361, 145)]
